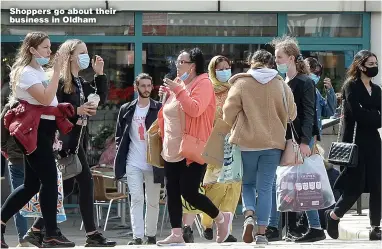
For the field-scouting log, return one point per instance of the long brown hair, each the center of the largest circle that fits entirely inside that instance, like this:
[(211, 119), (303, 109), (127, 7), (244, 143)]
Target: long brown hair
[(290, 47), (24, 56), (354, 71)]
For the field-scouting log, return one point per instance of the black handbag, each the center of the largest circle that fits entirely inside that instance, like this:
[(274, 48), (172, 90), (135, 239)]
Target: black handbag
[(342, 153), (70, 166)]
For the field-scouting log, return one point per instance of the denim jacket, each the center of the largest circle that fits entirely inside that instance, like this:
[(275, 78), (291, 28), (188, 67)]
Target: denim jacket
[(325, 107)]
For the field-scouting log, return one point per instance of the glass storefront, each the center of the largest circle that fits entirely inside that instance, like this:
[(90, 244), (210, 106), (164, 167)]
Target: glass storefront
[(153, 45)]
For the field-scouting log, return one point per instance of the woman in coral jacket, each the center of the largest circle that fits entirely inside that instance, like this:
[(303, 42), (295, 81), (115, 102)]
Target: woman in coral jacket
[(191, 100), (223, 195)]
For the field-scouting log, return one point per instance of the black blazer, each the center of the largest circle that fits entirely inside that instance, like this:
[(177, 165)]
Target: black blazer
[(365, 109), (304, 93), (122, 138)]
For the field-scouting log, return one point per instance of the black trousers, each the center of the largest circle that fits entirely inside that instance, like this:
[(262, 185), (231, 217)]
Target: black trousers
[(183, 180), (40, 176), (86, 191)]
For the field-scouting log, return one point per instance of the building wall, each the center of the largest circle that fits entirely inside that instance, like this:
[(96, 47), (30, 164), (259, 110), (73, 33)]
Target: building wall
[(376, 40), (210, 5)]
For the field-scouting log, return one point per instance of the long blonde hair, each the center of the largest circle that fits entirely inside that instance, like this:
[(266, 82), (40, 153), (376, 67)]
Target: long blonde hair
[(66, 50), (290, 47), (24, 57)]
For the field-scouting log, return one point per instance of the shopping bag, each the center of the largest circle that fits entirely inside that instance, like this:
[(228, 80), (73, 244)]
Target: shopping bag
[(232, 170), (304, 187), (33, 208), (188, 208), (214, 149), (154, 146)]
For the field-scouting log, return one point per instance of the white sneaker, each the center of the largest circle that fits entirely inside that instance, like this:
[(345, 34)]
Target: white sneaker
[(249, 227)]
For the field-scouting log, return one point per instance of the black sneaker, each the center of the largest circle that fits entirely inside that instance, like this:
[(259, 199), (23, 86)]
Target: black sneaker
[(58, 240), (135, 241), (231, 239), (98, 240), (34, 237), (208, 234), (188, 234), (331, 225), (151, 240), (272, 234), (312, 235), (3, 244), (375, 234)]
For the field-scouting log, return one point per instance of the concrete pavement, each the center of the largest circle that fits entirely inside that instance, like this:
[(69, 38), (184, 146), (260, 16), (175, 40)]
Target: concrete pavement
[(353, 234)]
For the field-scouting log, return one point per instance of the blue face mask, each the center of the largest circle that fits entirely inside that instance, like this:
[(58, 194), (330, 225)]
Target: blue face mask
[(83, 61), (184, 76), (223, 75), (282, 68), (42, 60), (315, 78)]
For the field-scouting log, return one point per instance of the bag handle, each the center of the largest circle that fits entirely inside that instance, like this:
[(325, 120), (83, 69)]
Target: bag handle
[(342, 118), (83, 117), (286, 106)]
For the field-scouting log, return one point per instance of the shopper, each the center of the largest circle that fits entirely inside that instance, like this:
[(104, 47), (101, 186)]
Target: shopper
[(361, 108), (134, 119), (191, 100), (75, 90), (224, 195), (37, 97), (259, 129), (290, 62)]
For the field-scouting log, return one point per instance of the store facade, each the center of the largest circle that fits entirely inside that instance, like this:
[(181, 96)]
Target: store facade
[(134, 41)]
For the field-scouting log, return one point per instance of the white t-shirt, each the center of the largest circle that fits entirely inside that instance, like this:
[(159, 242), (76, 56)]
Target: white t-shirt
[(137, 156), (29, 77)]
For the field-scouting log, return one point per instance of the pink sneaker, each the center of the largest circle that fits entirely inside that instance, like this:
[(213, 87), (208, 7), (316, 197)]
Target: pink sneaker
[(172, 240), (223, 229)]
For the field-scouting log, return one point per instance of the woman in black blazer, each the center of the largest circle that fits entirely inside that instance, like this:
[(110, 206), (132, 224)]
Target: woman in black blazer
[(362, 107)]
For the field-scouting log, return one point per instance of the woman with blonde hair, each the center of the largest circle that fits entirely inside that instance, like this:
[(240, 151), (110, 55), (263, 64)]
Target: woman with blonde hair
[(224, 195), (75, 90), (258, 107), (289, 61), (37, 97)]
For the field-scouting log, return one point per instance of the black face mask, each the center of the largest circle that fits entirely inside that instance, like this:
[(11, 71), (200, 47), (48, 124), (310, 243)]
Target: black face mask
[(371, 71)]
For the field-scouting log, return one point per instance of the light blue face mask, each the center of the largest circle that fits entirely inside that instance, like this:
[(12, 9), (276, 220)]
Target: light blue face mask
[(282, 68), (184, 76), (42, 60), (223, 75), (315, 78), (83, 61)]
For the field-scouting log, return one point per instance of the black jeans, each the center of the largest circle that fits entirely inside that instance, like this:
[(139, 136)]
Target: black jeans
[(86, 195), (40, 176), (347, 200), (183, 180)]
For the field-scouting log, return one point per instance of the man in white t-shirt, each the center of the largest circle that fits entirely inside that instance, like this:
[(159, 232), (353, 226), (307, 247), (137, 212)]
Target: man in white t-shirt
[(134, 119)]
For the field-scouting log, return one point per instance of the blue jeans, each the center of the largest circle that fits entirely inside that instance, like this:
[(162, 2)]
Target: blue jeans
[(16, 176), (274, 218), (259, 170)]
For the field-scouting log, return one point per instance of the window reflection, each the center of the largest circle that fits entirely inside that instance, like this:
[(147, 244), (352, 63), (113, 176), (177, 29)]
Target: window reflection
[(209, 24), (325, 25)]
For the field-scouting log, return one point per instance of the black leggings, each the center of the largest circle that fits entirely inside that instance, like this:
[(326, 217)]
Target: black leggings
[(183, 180), (40, 177), (86, 196)]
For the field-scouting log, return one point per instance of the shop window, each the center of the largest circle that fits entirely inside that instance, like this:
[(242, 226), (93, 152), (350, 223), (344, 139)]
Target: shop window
[(325, 25), (209, 24)]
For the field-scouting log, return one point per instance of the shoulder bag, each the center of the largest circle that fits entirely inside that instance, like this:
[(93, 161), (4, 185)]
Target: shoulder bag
[(342, 153)]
